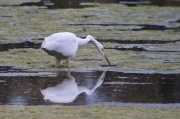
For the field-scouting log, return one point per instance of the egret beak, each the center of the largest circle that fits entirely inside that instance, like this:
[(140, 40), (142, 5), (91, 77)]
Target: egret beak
[(103, 54), (106, 59)]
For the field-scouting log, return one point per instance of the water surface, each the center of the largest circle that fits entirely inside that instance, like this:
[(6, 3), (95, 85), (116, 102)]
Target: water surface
[(86, 88)]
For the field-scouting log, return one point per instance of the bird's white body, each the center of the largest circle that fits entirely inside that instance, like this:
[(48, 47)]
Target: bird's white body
[(64, 45)]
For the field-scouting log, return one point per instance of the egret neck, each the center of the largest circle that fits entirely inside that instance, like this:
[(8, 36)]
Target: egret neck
[(89, 38), (98, 45)]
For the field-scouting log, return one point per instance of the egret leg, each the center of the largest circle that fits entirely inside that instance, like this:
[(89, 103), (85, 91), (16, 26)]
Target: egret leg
[(68, 62), (57, 62)]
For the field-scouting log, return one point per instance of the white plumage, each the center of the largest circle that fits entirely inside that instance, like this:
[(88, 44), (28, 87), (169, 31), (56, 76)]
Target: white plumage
[(68, 89), (64, 45)]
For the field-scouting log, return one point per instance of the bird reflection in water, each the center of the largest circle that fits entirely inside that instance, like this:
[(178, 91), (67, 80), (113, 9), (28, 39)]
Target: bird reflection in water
[(68, 90)]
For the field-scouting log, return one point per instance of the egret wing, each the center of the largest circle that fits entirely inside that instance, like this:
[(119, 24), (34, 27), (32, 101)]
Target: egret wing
[(64, 43)]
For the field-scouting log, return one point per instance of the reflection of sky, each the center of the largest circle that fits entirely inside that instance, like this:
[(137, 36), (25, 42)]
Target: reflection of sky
[(18, 100), (91, 99)]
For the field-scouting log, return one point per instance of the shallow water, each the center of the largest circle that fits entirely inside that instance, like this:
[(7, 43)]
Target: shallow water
[(26, 44), (86, 88), (82, 4)]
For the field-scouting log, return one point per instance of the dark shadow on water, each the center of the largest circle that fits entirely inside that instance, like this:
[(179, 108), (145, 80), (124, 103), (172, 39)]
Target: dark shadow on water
[(88, 88)]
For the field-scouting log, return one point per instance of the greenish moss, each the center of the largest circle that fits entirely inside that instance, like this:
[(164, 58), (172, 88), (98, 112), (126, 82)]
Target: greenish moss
[(27, 22), (86, 57), (87, 112)]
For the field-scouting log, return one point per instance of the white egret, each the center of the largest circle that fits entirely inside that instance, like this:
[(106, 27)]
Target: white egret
[(68, 89), (64, 45)]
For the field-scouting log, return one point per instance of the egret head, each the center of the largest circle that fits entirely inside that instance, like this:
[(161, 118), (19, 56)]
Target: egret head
[(101, 50), (99, 46)]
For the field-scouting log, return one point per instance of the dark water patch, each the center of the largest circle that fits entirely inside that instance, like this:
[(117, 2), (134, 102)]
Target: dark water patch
[(87, 16), (55, 4), (90, 88), (6, 15), (144, 26), (178, 21), (103, 24), (171, 62), (31, 4), (24, 4), (171, 51), (74, 3), (137, 41), (165, 2), (27, 44), (150, 2), (133, 48), (10, 69), (86, 59), (134, 2), (175, 21), (140, 48), (152, 27), (108, 65)]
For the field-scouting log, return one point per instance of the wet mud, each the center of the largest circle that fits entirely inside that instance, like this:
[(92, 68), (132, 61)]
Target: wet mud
[(139, 48), (53, 4), (144, 26), (108, 65), (138, 41), (10, 69), (153, 27), (132, 48), (27, 44), (48, 4), (89, 87)]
